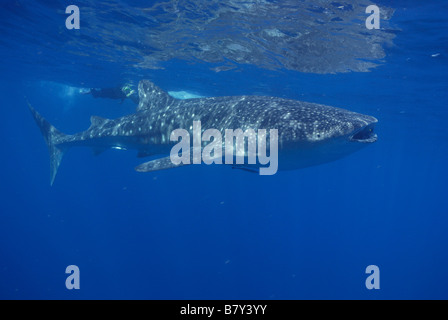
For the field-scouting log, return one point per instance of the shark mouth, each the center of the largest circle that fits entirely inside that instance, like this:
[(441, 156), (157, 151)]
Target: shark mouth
[(365, 134)]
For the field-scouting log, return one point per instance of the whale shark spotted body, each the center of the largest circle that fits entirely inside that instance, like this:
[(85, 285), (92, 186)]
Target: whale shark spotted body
[(308, 133)]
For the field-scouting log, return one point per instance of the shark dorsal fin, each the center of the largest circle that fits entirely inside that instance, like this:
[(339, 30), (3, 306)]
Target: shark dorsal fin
[(96, 121), (151, 96)]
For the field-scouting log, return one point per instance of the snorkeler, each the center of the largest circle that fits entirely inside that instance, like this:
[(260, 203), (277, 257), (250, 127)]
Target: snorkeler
[(117, 93)]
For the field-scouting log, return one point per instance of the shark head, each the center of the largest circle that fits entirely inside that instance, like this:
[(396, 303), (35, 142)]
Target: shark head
[(366, 133), (329, 135)]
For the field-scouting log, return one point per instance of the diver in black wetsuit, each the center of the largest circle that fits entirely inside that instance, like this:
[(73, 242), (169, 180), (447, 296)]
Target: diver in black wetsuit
[(118, 93)]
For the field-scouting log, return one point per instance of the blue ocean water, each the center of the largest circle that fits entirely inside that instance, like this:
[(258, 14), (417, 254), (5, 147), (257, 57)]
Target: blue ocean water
[(203, 232)]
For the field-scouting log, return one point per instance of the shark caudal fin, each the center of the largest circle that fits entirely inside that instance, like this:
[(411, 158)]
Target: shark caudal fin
[(51, 136)]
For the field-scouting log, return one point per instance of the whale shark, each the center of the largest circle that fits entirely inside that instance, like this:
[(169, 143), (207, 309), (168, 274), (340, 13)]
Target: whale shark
[(308, 133)]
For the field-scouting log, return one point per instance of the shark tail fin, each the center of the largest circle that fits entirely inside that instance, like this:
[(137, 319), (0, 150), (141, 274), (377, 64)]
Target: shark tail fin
[(51, 136)]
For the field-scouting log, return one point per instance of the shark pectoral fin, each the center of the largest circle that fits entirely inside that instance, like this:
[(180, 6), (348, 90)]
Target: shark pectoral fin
[(158, 164)]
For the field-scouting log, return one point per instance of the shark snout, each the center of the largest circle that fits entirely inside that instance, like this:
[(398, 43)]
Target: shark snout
[(365, 134)]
